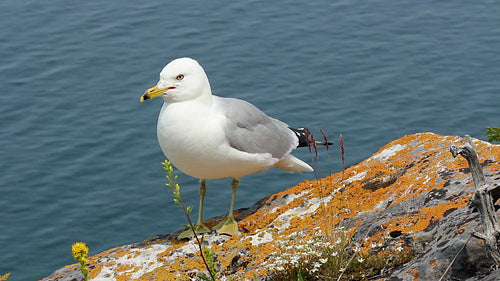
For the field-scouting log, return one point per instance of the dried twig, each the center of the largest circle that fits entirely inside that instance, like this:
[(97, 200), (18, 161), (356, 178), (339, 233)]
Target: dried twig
[(342, 151), (315, 146), (482, 199), (327, 144)]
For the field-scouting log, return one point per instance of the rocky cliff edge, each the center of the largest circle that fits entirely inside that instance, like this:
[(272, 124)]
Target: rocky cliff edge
[(411, 193)]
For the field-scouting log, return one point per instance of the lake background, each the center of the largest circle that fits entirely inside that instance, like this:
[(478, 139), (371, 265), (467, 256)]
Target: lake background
[(79, 159)]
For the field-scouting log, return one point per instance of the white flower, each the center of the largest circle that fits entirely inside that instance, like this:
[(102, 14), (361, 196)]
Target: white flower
[(361, 259), (334, 253), (314, 253), (321, 244), (324, 260), (357, 249)]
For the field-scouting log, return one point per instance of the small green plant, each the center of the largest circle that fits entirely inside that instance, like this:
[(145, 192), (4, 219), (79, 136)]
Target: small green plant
[(209, 255), (299, 277), (80, 252), (333, 257), (493, 134), (206, 254)]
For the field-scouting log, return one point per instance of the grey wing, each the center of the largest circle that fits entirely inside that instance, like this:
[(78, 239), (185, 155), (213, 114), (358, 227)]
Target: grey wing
[(251, 130)]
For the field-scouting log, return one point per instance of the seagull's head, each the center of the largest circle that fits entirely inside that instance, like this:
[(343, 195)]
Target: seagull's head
[(180, 80)]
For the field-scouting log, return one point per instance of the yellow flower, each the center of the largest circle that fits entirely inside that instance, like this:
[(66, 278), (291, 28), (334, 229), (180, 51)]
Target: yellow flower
[(4, 277), (79, 250)]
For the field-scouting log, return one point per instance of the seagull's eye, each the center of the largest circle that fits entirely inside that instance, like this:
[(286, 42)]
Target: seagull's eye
[(179, 77)]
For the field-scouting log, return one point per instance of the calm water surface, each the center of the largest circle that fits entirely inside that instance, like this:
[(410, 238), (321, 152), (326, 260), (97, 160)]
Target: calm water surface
[(79, 160)]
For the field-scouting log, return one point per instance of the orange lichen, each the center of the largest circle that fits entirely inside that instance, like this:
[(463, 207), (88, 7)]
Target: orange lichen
[(166, 273), (421, 219), (392, 177), (415, 273), (126, 267), (433, 263), (462, 229), (399, 172)]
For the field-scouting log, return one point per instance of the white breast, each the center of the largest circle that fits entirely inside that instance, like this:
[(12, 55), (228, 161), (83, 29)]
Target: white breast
[(192, 137)]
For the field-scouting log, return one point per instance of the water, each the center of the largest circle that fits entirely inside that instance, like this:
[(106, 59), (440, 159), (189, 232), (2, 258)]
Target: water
[(79, 160)]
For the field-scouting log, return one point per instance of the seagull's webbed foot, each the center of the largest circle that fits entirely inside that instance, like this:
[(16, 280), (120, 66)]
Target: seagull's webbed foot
[(199, 228), (227, 226)]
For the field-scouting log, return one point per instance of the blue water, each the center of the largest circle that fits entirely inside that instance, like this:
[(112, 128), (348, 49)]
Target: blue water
[(79, 160)]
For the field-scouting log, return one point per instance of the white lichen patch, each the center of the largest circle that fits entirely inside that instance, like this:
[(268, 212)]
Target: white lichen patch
[(192, 248), (290, 198), (388, 152), (384, 203), (260, 238), (146, 259), (106, 274), (283, 221), (357, 177), (315, 203), (189, 248)]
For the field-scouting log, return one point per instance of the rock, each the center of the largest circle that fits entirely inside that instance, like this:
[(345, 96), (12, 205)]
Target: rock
[(411, 193)]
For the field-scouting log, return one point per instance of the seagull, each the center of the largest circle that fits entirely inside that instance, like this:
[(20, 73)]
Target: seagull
[(210, 137)]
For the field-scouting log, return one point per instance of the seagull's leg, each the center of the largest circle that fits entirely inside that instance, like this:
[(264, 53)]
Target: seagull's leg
[(229, 224), (200, 226)]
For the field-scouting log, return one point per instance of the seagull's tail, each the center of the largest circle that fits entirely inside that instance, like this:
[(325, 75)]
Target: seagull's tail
[(306, 138), (291, 163)]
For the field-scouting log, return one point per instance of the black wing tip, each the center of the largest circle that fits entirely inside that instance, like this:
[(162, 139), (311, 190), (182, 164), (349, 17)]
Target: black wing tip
[(304, 137)]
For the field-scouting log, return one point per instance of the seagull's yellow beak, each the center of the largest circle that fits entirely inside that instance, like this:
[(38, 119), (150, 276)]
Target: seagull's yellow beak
[(154, 92)]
